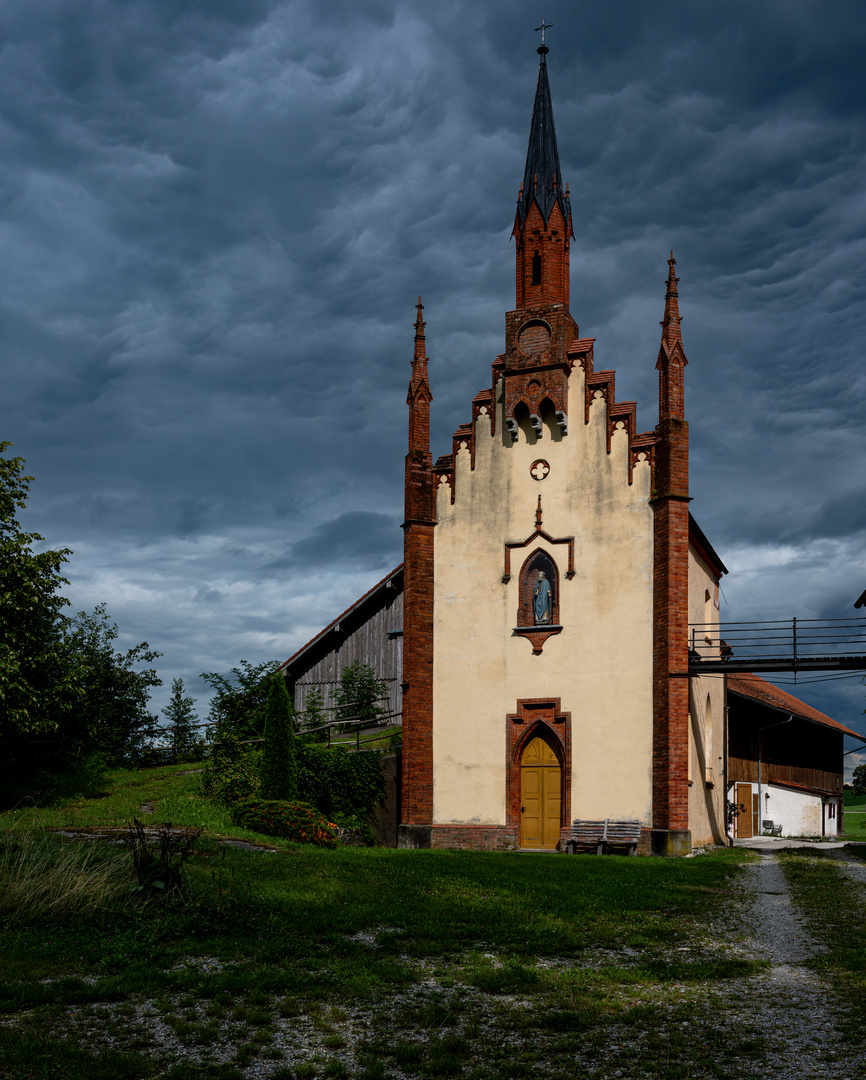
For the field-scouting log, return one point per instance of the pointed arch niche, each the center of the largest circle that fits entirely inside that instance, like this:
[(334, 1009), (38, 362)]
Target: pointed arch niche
[(537, 718), (538, 560)]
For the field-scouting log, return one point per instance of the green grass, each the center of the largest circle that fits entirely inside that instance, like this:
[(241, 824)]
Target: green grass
[(173, 791), (436, 963), (833, 905)]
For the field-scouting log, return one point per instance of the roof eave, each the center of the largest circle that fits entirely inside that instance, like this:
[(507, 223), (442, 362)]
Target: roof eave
[(835, 726), (359, 603)]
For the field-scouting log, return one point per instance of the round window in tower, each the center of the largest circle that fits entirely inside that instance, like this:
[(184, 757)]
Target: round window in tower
[(534, 338)]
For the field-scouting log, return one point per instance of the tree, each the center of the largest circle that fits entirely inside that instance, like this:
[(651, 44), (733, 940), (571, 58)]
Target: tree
[(32, 675), (279, 768), (105, 707), (65, 695), (239, 704), (360, 694), (858, 780), (182, 718), (314, 711)]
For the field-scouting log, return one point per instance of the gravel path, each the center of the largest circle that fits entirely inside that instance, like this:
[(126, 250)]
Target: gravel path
[(854, 868), (789, 1004)]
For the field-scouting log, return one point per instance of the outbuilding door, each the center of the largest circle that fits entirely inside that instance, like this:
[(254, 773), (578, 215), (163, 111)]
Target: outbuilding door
[(540, 796), (743, 821)]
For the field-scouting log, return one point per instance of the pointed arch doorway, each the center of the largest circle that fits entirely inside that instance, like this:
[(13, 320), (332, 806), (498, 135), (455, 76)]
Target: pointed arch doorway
[(540, 795)]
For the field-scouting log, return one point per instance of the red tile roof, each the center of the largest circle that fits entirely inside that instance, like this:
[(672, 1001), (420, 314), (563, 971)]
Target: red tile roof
[(758, 689)]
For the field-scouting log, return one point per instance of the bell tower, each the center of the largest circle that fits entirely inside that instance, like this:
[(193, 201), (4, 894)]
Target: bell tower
[(540, 330)]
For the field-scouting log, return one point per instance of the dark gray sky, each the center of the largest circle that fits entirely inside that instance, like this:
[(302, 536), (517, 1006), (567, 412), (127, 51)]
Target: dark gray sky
[(218, 214)]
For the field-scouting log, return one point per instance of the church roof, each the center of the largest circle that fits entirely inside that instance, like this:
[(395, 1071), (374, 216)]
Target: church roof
[(704, 548), (757, 689), (542, 177), (861, 601)]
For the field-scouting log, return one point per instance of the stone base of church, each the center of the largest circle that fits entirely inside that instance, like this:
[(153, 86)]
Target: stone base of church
[(671, 842), (462, 837), (414, 836), (475, 837)]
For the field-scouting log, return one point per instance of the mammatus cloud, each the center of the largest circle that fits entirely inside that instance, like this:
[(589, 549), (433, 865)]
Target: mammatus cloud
[(216, 219)]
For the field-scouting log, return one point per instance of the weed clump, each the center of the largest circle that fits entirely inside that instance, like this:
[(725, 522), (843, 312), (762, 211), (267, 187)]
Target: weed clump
[(158, 859), (46, 878)]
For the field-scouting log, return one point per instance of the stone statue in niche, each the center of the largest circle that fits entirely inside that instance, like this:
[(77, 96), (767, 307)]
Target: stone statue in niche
[(542, 606)]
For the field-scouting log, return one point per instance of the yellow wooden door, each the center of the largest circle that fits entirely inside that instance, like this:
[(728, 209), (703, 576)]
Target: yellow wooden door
[(540, 796), (743, 821)]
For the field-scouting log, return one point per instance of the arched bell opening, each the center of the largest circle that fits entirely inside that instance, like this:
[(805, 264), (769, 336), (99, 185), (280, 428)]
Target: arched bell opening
[(526, 423), (551, 420)]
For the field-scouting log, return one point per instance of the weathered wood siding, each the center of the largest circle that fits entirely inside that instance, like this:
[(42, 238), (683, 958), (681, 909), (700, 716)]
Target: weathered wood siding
[(373, 636), (746, 771), (791, 753)]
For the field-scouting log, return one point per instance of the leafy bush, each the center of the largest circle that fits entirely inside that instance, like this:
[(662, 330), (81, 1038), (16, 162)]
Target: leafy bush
[(337, 782), (292, 820), (44, 878), (232, 771)]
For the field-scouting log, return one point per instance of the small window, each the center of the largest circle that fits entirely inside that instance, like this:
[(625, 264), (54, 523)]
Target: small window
[(536, 269)]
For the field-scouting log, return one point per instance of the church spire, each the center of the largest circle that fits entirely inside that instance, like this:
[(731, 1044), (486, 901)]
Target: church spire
[(671, 322), (542, 175), (542, 224), (672, 360), (420, 395)]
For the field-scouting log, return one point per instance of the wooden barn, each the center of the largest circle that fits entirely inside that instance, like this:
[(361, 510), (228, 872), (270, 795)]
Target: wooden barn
[(370, 631), (784, 761)]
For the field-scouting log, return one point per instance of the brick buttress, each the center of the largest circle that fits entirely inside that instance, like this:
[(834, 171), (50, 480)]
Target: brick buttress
[(670, 503), (416, 812)]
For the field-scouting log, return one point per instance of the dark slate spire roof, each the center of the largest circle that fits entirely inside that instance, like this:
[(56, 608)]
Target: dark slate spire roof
[(542, 177)]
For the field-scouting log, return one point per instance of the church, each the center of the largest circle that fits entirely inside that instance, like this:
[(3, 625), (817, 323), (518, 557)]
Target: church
[(536, 637)]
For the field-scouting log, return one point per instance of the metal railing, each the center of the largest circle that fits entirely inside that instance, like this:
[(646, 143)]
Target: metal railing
[(778, 645)]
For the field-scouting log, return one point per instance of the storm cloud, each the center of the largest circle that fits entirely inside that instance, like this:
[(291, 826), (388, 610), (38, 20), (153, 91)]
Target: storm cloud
[(217, 216)]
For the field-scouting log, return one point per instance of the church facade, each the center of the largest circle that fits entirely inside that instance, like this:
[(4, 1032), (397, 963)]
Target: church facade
[(551, 570)]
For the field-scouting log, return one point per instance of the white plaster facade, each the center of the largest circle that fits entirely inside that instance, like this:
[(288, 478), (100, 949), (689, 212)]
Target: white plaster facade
[(706, 712), (799, 812)]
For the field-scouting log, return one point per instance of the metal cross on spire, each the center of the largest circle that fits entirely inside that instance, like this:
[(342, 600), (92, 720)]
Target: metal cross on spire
[(544, 26)]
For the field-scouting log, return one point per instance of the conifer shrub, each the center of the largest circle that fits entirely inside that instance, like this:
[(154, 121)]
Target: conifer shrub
[(295, 821), (279, 769)]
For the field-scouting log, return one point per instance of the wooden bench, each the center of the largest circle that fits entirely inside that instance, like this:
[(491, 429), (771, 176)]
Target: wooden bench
[(603, 834), (769, 828)]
